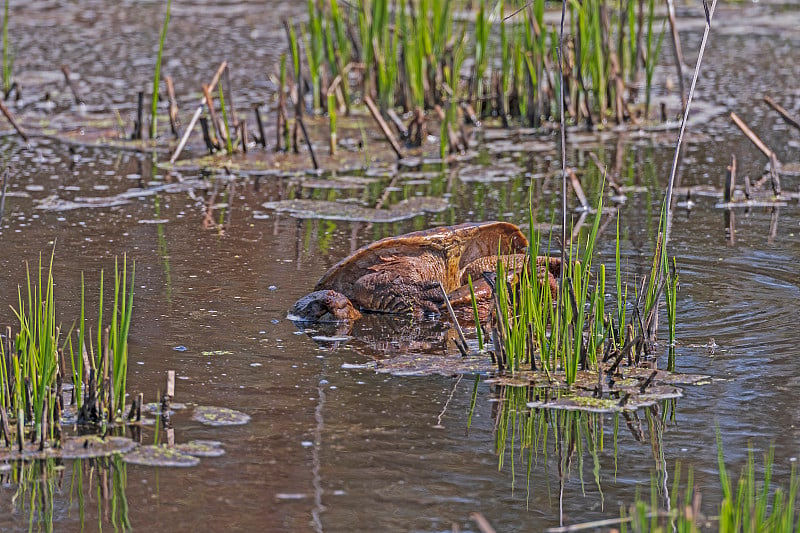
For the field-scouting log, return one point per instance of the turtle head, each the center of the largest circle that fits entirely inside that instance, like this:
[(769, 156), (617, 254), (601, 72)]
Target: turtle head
[(324, 306)]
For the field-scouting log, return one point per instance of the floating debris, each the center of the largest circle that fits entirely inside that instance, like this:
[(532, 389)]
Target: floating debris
[(402, 210), (427, 364), (485, 174), (202, 448), (219, 416), (209, 353), (155, 455)]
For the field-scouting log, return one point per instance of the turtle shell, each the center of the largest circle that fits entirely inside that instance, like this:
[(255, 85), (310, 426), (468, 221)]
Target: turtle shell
[(435, 254)]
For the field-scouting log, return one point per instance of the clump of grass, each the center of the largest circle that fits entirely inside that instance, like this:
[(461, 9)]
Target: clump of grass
[(515, 60), (752, 505), (99, 368), (32, 363), (30, 378)]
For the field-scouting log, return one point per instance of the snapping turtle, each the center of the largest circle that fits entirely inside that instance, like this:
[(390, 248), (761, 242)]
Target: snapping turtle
[(401, 275)]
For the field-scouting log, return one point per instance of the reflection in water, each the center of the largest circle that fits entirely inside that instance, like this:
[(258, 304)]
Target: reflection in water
[(41, 492), (575, 437)]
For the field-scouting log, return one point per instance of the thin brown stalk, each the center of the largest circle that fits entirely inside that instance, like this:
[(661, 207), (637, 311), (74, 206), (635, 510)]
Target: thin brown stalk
[(750, 134), (299, 121), (774, 163), (197, 113), (483, 525), (72, 88), (213, 113), (376, 114), (730, 181), (461, 343), (792, 121), (262, 136), (13, 122), (174, 121)]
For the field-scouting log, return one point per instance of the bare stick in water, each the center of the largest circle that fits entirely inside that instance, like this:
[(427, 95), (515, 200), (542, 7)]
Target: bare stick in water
[(376, 114), (461, 343), (72, 88), (792, 121), (13, 122), (197, 112), (774, 164)]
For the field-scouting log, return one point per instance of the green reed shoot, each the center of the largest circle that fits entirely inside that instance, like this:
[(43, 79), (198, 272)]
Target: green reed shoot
[(285, 132), (294, 49), (157, 74), (337, 46), (751, 505), (7, 59), (120, 326), (653, 49), (671, 297), (112, 339), (332, 121), (475, 313), (225, 125), (315, 52), (482, 30)]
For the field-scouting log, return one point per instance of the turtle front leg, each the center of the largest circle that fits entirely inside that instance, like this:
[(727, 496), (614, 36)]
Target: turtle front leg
[(393, 292)]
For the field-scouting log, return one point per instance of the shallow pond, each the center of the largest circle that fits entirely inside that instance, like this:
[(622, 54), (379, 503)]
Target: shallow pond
[(333, 445)]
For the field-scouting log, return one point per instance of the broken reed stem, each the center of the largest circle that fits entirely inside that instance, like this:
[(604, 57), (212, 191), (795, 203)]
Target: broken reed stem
[(576, 186), (792, 121), (13, 122), (766, 150), (197, 113), (730, 180), (3, 194), (213, 113), (4, 427), (72, 88), (137, 124), (299, 120), (262, 136), (229, 92), (673, 171), (167, 398), (461, 343), (43, 435), (750, 134), (376, 114)]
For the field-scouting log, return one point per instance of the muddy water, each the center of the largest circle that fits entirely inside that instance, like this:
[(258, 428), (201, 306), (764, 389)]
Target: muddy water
[(336, 448)]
